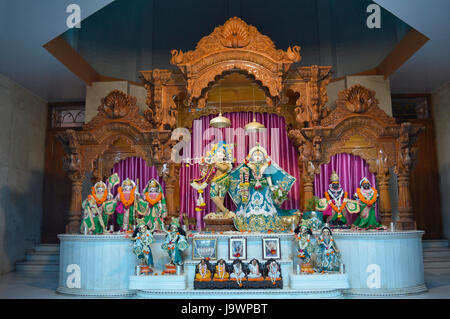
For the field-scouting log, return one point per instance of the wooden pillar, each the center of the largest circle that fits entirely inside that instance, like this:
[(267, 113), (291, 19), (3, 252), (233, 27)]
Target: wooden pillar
[(384, 200), (308, 183), (171, 178), (73, 226), (406, 218)]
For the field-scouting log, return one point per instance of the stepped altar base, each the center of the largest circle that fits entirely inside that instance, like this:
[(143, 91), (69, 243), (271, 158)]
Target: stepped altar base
[(377, 263)]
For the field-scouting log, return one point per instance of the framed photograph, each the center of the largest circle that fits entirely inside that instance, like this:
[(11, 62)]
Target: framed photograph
[(237, 248), (204, 248), (271, 248)]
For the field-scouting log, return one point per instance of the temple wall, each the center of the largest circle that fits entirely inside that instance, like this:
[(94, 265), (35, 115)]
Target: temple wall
[(22, 146), (99, 90), (441, 116)]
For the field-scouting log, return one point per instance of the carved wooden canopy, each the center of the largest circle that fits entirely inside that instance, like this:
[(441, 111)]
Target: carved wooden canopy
[(117, 131)]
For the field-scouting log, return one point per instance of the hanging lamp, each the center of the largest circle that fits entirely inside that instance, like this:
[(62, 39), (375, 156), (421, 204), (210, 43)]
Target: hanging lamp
[(254, 126), (220, 121)]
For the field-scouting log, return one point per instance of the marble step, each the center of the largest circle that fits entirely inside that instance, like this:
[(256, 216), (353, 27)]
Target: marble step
[(47, 248), (42, 257), (436, 252), (435, 243), (36, 268)]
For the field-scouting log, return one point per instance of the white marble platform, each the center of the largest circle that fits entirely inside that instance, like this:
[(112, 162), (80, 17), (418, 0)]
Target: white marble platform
[(377, 264)]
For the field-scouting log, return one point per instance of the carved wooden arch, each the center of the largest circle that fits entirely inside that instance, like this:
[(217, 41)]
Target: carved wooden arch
[(235, 45)]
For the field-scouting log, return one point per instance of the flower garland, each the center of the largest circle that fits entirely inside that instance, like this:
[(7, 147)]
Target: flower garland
[(366, 201), (101, 200), (153, 201), (335, 208), (126, 202)]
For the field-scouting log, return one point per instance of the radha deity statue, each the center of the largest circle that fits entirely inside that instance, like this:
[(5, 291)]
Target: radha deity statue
[(258, 188), (215, 168), (142, 238), (97, 208), (157, 208), (367, 197), (328, 256), (175, 243), (334, 205), (305, 246), (129, 205)]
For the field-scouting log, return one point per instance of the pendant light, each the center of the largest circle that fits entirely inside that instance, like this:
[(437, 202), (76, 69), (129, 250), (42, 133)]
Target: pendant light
[(254, 126), (220, 121)]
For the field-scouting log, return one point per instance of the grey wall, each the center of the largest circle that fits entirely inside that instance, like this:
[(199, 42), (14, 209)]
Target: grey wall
[(23, 118), (441, 115)]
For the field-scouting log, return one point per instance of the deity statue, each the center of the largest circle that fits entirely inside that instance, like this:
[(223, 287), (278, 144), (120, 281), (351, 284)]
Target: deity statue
[(203, 272), (175, 243), (335, 202), (367, 197), (221, 273), (215, 168), (157, 208), (254, 271), (305, 246), (238, 273), (142, 238), (97, 208), (328, 256), (258, 188), (129, 205), (314, 222), (273, 271)]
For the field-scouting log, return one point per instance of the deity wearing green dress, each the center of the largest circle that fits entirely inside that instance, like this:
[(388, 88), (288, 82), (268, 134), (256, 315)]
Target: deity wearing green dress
[(156, 210), (175, 243), (97, 208), (258, 188), (367, 197)]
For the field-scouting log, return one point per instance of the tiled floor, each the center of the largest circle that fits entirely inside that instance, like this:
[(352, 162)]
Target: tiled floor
[(15, 286)]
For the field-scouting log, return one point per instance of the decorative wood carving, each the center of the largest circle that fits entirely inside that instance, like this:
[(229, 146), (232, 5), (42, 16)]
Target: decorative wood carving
[(358, 126), (235, 45), (117, 131)]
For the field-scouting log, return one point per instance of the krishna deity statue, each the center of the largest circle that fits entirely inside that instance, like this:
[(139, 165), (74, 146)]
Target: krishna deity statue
[(214, 170), (258, 188)]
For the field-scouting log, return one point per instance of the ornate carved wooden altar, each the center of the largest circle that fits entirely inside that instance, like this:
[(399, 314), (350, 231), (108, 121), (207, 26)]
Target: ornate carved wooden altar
[(176, 97)]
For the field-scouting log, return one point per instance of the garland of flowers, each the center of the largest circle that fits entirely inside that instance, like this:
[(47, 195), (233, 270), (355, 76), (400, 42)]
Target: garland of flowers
[(101, 200), (364, 200), (126, 202), (335, 208), (153, 201)]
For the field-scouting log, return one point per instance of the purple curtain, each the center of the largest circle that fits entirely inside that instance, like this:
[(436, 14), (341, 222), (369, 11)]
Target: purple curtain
[(274, 140), (136, 168), (351, 169)]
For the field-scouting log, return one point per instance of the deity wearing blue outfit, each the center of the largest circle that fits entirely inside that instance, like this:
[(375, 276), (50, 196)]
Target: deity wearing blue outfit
[(175, 243), (258, 187)]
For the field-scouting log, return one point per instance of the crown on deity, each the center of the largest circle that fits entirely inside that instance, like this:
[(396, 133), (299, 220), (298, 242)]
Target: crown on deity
[(364, 181), (227, 148), (334, 177), (128, 182), (175, 221), (257, 148), (100, 184), (153, 183)]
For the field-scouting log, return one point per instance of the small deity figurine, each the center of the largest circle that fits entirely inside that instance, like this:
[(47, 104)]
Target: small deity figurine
[(129, 205), (175, 243), (203, 272), (254, 271), (238, 273), (314, 222), (258, 188), (328, 256), (157, 208), (273, 271), (305, 246), (367, 197), (334, 210), (215, 169), (142, 238), (97, 208), (221, 273)]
